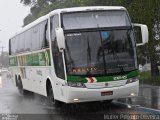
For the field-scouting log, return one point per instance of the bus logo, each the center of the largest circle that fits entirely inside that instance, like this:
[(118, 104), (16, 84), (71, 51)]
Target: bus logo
[(120, 77)]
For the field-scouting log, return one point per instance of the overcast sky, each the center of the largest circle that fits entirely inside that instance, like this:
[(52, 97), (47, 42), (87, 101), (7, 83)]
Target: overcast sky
[(12, 13)]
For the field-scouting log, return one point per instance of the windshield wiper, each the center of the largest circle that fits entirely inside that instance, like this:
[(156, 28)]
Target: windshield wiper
[(88, 56)]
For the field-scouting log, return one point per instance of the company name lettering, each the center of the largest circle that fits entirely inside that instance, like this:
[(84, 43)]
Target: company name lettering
[(120, 77)]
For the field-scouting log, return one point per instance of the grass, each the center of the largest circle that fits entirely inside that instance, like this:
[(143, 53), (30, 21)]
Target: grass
[(146, 78)]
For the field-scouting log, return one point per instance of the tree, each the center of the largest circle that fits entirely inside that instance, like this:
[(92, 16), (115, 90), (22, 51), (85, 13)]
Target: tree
[(28, 2), (147, 12)]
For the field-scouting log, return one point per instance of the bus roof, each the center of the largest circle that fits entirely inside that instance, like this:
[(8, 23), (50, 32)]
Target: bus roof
[(90, 8), (64, 10)]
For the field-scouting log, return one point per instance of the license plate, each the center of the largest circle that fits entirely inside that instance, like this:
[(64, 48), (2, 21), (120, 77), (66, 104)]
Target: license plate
[(107, 93)]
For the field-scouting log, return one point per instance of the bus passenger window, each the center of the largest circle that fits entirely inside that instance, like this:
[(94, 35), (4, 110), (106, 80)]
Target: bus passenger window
[(28, 40), (44, 35), (54, 25), (46, 40)]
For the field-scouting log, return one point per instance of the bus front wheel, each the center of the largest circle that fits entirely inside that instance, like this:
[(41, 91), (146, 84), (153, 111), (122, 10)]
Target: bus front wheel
[(51, 96)]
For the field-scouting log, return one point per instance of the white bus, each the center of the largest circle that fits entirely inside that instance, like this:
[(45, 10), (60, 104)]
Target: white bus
[(78, 54)]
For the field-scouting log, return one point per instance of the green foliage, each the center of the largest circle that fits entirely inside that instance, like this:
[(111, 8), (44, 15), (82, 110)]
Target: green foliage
[(146, 78), (28, 19), (28, 2)]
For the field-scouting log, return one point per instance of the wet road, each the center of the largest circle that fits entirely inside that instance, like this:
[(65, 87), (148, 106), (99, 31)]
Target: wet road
[(35, 107), (149, 96)]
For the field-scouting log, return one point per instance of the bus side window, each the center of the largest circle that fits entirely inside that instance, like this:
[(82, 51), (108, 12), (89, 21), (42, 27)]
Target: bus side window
[(57, 56), (28, 40), (18, 44), (58, 61), (13, 46), (54, 24), (44, 35), (21, 42), (46, 39), (35, 37)]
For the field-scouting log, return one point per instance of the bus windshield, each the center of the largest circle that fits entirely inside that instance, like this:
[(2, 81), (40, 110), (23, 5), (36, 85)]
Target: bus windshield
[(95, 19), (100, 52)]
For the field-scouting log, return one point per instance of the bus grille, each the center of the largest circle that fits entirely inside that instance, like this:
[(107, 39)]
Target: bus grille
[(106, 84)]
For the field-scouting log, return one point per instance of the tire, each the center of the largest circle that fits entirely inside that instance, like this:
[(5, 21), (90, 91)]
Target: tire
[(16, 81), (50, 96), (107, 101), (20, 87)]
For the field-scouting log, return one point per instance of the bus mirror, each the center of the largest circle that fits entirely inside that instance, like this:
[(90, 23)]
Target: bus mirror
[(144, 33), (60, 39)]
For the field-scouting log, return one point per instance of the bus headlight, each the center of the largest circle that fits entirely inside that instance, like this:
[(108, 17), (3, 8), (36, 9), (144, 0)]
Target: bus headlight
[(131, 80), (76, 84)]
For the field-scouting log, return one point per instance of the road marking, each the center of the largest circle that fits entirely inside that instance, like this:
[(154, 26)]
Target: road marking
[(140, 108), (150, 110)]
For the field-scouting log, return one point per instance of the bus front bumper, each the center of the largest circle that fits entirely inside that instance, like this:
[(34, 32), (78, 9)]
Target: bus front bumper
[(75, 95)]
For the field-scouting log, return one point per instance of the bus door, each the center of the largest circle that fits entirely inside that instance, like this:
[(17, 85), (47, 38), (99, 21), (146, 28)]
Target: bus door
[(59, 68)]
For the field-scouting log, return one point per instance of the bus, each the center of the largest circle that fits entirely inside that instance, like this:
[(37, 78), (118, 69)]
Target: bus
[(78, 54)]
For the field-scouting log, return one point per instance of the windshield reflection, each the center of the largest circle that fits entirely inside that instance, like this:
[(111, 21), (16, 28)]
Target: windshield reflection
[(100, 52)]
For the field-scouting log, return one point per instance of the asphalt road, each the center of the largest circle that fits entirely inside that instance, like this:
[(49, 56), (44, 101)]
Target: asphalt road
[(14, 106)]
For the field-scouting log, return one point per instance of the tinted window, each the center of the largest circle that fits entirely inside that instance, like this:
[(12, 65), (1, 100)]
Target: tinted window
[(17, 44), (95, 19), (57, 56), (35, 38), (100, 52), (58, 61), (28, 40), (44, 39), (13, 46), (54, 25), (21, 46)]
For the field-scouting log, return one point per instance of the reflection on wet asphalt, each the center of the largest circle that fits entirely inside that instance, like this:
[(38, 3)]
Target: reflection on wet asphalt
[(36, 107), (149, 96)]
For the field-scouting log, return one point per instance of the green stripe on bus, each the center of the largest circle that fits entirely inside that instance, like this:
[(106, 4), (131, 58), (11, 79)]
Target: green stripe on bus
[(77, 79), (33, 59), (106, 78)]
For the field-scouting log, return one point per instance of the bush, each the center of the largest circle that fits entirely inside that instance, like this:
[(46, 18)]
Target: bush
[(146, 78)]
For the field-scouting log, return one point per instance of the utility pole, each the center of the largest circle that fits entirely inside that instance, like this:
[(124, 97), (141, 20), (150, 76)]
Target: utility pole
[(2, 50)]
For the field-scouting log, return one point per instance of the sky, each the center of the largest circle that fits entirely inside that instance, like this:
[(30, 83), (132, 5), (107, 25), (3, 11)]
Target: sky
[(12, 13)]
